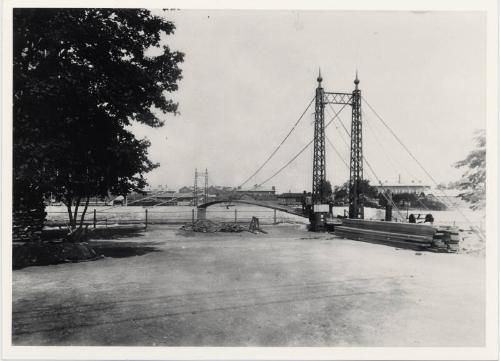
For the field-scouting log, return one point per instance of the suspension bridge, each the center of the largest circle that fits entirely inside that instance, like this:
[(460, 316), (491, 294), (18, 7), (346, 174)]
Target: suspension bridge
[(319, 211), (316, 207), (323, 101)]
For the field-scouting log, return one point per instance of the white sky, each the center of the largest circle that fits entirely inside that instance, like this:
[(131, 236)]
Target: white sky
[(248, 75)]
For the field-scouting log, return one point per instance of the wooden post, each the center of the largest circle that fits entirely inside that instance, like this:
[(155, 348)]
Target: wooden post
[(235, 215), (192, 215), (275, 216), (95, 218), (106, 223), (146, 220)]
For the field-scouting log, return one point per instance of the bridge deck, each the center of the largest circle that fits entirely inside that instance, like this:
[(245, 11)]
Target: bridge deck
[(264, 204)]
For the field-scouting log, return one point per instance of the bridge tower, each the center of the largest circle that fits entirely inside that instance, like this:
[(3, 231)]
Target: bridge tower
[(356, 201), (319, 160), (196, 189), (205, 191)]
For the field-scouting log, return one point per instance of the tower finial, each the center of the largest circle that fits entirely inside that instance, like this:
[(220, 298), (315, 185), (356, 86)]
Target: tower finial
[(320, 79), (356, 81)]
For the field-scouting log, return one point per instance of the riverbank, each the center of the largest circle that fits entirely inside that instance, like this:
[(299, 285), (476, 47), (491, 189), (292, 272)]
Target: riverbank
[(288, 287)]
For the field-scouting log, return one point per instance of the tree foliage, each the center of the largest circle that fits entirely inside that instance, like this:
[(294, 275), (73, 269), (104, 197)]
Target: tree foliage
[(326, 188), (365, 188), (414, 200), (81, 77), (473, 181)]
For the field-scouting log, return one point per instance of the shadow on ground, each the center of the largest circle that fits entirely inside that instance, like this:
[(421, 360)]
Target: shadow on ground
[(98, 233), (122, 249), (54, 249)]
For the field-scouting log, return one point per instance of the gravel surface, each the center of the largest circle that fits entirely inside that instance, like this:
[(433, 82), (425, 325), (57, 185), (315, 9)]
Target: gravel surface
[(285, 288)]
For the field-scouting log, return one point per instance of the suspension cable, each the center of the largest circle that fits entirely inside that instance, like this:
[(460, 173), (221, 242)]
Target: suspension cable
[(302, 150), (389, 199), (340, 133), (373, 172), (404, 146), (337, 152), (341, 122), (279, 145), (388, 156), (417, 161)]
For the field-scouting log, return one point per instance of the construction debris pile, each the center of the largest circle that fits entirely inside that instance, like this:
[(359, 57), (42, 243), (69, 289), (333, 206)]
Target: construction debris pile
[(207, 226)]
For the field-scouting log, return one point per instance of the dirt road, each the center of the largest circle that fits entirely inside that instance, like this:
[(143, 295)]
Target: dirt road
[(285, 288)]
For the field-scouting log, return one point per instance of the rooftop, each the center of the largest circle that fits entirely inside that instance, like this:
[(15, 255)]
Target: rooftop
[(257, 189)]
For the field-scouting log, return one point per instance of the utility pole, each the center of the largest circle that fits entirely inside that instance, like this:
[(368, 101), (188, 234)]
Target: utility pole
[(356, 201)]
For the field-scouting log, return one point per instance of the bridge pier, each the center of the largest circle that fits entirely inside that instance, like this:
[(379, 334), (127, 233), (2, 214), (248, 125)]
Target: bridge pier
[(201, 213)]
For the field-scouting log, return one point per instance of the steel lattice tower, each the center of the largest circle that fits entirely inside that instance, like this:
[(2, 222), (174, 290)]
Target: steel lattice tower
[(195, 189), (319, 160), (356, 202), (205, 193)]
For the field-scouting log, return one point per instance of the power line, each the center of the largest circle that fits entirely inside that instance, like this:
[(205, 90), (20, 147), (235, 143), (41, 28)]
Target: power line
[(279, 145)]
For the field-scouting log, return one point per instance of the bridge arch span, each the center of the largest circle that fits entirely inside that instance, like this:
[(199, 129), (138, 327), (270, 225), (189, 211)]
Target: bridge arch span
[(253, 203)]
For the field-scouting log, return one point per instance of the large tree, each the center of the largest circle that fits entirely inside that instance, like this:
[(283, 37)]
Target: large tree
[(365, 188), (473, 181), (81, 77)]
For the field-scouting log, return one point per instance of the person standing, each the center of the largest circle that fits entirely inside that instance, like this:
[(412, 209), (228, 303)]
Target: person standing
[(303, 201)]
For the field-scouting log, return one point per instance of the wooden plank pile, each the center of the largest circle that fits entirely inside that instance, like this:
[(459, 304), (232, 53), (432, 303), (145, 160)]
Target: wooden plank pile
[(410, 235), (446, 239)]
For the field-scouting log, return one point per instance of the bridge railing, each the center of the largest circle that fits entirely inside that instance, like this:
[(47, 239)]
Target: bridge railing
[(144, 216)]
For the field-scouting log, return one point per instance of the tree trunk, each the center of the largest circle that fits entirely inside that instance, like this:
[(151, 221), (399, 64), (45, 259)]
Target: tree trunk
[(84, 212), (70, 214), (75, 215)]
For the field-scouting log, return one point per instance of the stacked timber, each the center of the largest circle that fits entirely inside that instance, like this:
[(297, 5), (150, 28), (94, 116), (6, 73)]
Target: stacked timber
[(411, 235), (446, 239)]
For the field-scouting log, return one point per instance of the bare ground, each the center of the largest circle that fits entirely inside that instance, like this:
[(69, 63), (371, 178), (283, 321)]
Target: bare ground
[(285, 288)]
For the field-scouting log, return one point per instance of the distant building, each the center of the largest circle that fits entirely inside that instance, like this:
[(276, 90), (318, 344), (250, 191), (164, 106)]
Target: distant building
[(403, 188), (257, 192), (120, 200), (290, 198)]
